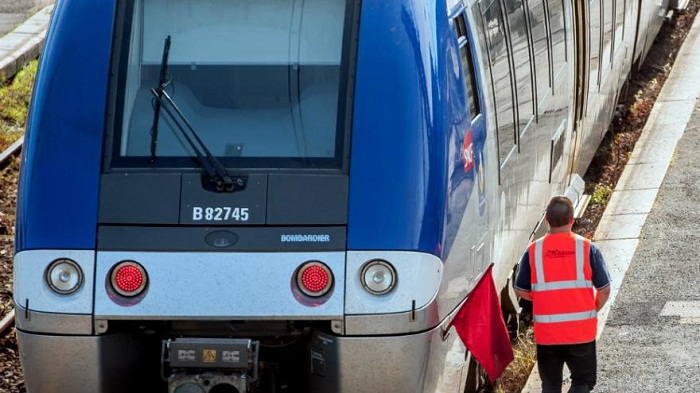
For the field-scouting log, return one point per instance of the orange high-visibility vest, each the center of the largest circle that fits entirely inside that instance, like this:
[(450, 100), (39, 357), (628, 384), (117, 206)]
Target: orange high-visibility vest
[(563, 300)]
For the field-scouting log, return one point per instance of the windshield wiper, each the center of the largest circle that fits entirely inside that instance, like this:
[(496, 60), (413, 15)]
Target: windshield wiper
[(162, 83), (218, 175), (214, 168)]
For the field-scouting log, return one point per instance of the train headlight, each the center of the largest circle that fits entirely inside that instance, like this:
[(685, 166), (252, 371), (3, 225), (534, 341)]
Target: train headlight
[(64, 276), (128, 278), (378, 277)]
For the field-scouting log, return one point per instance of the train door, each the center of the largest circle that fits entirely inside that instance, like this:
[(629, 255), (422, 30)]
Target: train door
[(474, 155), (467, 235), (581, 45), (471, 184)]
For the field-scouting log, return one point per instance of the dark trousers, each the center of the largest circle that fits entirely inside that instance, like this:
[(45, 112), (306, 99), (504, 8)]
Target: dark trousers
[(581, 360)]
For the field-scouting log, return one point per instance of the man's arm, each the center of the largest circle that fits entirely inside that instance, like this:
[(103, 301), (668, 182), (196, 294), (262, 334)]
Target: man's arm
[(523, 294), (601, 277), (601, 297), (522, 281)]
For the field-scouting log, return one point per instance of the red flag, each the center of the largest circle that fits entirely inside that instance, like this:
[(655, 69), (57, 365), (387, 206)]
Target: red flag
[(482, 329)]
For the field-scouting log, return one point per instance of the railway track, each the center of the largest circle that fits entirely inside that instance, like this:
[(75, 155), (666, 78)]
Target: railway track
[(11, 378), (8, 320), (9, 172), (10, 153)]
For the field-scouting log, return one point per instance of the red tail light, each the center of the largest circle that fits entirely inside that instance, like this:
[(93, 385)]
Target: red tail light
[(129, 278), (314, 279)]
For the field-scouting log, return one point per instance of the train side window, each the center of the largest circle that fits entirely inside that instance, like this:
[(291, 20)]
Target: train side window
[(518, 29), (501, 79), (467, 66), (624, 18), (607, 31), (538, 26), (619, 22), (601, 40), (595, 42), (558, 33), (566, 40)]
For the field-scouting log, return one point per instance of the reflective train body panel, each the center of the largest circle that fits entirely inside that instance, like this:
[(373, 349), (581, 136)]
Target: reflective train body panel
[(377, 157)]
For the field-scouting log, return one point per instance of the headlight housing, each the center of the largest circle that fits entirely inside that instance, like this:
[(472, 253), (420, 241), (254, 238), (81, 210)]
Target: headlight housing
[(314, 279), (378, 277), (128, 278), (64, 276)]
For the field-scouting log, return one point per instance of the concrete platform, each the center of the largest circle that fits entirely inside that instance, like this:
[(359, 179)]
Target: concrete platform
[(14, 12), (24, 42), (648, 332)]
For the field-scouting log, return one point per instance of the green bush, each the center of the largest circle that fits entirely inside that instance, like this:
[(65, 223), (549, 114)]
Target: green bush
[(601, 195)]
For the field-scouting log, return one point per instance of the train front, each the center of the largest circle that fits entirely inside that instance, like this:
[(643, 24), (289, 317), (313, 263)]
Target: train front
[(187, 220)]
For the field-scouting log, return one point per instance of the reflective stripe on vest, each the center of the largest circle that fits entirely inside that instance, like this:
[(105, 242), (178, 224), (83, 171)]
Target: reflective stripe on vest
[(576, 316)]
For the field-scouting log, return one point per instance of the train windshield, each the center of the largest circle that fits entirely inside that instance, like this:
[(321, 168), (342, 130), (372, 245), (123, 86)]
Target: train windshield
[(260, 82)]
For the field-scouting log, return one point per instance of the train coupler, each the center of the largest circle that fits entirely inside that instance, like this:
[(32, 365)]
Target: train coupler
[(210, 365)]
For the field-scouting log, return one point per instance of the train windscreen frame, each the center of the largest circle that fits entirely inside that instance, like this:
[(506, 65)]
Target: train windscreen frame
[(263, 83)]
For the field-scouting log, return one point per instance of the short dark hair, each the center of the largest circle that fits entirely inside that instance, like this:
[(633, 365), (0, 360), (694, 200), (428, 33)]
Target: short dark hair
[(559, 211)]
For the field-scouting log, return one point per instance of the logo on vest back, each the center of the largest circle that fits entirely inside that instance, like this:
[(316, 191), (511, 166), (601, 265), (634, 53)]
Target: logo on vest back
[(559, 253)]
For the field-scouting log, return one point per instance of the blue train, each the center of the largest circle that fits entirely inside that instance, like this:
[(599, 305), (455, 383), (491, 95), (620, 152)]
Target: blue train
[(296, 195)]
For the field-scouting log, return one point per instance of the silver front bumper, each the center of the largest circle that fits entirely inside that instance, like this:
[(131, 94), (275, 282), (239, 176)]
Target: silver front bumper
[(80, 364), (401, 364), (113, 363)]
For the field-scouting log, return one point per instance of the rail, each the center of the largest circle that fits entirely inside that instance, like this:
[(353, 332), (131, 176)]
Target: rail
[(10, 152), (8, 320)]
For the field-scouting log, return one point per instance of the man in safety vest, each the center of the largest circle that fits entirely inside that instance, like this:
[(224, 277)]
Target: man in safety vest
[(558, 273)]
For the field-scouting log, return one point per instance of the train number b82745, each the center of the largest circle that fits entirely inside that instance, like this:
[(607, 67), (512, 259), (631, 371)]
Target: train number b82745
[(220, 213)]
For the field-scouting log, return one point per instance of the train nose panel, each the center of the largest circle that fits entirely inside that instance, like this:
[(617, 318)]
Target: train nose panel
[(220, 285)]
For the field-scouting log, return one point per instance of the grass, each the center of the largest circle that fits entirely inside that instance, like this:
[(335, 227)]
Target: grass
[(14, 104), (601, 195), (518, 371)]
